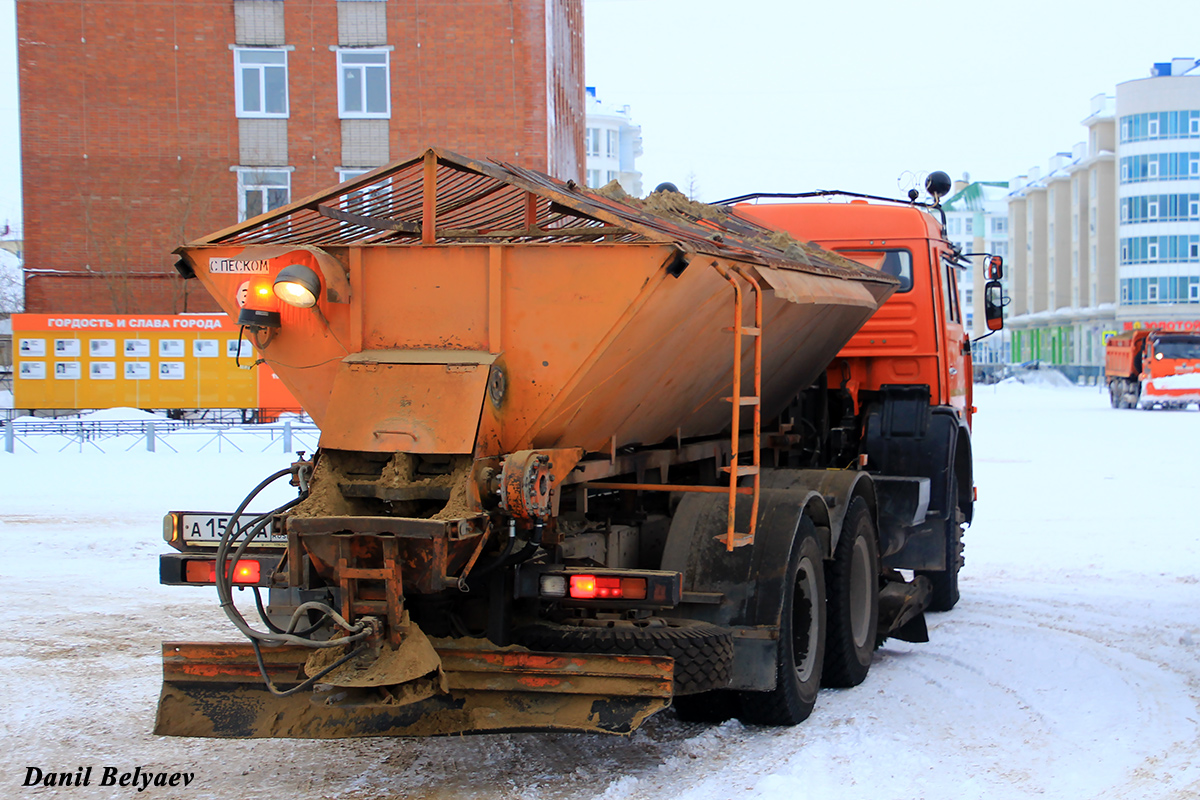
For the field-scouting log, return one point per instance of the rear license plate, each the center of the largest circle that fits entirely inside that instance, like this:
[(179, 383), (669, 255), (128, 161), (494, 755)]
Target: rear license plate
[(207, 529)]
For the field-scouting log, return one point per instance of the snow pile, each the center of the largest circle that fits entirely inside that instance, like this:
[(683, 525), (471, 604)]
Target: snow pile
[(120, 414), (1189, 380), (1038, 377), (1069, 670)]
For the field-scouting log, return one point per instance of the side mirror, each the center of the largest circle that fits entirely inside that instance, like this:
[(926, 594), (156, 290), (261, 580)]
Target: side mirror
[(995, 268), (993, 304)]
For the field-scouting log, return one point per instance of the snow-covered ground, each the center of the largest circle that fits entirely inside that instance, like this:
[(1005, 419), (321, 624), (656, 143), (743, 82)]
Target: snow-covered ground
[(1069, 670)]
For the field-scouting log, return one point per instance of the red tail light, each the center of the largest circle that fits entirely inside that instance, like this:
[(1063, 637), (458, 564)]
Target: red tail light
[(607, 587), (583, 587), (246, 571)]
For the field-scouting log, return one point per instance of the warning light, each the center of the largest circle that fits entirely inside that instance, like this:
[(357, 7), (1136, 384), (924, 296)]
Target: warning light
[(246, 571), (607, 587), (583, 587)]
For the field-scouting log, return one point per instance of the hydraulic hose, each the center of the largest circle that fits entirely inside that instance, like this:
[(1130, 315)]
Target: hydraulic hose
[(224, 582), (531, 546), (502, 557)]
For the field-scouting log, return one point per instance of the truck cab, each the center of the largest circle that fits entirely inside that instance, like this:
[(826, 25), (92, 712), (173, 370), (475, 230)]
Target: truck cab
[(905, 377)]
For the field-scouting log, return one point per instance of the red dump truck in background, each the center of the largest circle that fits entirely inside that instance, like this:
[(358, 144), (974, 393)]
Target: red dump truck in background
[(1152, 368), (583, 457)]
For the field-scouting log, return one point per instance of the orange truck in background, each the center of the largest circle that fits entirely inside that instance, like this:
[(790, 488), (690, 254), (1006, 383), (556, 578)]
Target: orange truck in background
[(583, 457), (1148, 368)]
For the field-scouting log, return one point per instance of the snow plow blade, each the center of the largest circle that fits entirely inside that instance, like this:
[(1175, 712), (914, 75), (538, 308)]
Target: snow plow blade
[(216, 690)]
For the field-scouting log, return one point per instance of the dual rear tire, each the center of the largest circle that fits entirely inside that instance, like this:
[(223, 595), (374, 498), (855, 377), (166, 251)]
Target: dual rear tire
[(828, 628)]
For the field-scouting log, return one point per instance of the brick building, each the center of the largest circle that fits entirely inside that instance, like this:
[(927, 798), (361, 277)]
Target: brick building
[(145, 123)]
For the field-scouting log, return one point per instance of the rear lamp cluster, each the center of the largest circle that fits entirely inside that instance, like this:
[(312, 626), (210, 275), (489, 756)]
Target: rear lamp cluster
[(246, 571), (592, 587)]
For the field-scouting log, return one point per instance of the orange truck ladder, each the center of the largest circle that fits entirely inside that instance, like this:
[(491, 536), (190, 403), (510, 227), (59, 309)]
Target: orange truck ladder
[(736, 469)]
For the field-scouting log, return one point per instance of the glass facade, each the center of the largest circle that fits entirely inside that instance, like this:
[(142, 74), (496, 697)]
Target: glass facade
[(1160, 167), (1160, 249), (1160, 125), (1161, 208), (1149, 291)]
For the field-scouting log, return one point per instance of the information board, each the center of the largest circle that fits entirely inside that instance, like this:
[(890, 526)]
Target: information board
[(142, 361)]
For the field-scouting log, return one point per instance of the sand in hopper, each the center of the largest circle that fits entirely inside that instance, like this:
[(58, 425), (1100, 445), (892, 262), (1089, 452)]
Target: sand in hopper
[(675, 205)]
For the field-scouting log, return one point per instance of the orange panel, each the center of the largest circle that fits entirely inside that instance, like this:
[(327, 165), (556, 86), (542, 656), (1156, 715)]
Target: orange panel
[(425, 297), (413, 408)]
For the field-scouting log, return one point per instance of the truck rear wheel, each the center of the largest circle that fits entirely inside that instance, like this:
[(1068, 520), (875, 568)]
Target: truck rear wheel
[(852, 583), (703, 652), (800, 650)]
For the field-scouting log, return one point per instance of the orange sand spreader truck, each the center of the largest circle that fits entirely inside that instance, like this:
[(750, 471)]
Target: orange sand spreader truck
[(582, 457), (1148, 368)]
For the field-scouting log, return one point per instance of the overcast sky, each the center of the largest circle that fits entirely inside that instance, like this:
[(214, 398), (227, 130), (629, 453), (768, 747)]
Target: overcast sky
[(795, 95)]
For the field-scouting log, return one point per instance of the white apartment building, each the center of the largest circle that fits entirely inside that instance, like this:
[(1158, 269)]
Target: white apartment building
[(1158, 232), (612, 144)]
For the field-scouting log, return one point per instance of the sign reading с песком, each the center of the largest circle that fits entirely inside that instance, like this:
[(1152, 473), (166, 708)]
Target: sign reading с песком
[(233, 266)]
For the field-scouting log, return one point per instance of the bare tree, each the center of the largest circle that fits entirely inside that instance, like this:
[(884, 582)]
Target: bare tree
[(12, 285), (691, 186)]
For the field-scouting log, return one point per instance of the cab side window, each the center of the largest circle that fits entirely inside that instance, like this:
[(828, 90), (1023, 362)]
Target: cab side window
[(950, 294)]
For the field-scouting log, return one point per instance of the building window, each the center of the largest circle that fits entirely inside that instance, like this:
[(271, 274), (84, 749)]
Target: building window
[(612, 147), (593, 178), (610, 176), (1194, 209), (1193, 292), (1194, 250), (1194, 130), (364, 86), (1152, 210), (1152, 251), (262, 190), (1152, 129), (1152, 291), (260, 82), (366, 201), (1092, 220), (592, 140)]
